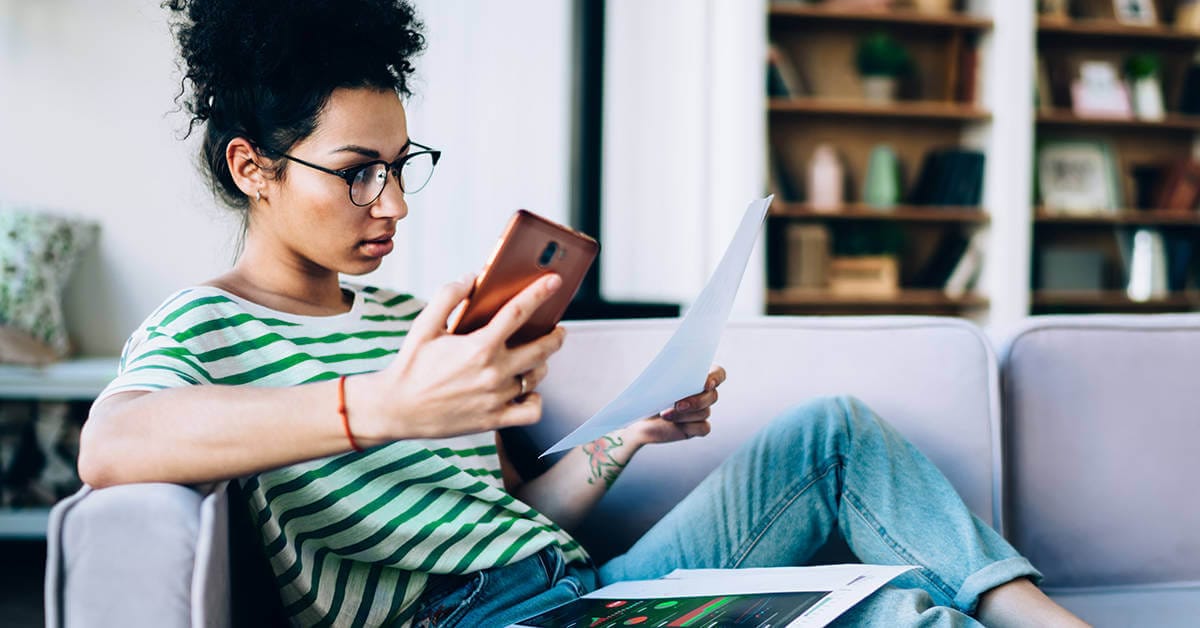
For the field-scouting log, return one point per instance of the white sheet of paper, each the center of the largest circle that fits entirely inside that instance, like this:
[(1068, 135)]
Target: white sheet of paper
[(680, 368)]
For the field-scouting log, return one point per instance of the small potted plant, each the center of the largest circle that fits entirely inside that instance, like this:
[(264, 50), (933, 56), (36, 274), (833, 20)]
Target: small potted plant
[(881, 62), (1142, 71)]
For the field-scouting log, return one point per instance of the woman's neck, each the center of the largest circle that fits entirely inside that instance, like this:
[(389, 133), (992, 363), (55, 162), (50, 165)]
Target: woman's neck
[(286, 283)]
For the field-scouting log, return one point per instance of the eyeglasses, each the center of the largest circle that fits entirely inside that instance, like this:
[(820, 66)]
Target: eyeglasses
[(366, 181)]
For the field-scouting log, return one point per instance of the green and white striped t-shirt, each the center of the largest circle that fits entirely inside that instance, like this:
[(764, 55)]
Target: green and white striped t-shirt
[(352, 537)]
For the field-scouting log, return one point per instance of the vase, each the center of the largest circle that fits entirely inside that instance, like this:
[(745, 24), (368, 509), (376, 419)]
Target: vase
[(881, 186), (1148, 98), (1147, 267), (879, 89), (825, 179)]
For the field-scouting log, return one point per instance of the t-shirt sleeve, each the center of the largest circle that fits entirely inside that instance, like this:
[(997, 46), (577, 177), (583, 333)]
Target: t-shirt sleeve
[(154, 360)]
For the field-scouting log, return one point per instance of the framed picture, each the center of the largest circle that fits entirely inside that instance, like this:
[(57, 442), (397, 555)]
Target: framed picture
[(1077, 177), (1099, 92), (1138, 12)]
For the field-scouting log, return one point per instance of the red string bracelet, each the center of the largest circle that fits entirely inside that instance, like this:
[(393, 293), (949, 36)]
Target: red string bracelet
[(345, 415)]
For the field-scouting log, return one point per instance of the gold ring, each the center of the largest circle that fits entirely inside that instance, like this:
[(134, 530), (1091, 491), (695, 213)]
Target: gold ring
[(524, 385)]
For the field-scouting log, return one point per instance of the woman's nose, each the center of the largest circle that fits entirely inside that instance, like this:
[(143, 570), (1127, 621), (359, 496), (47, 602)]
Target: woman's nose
[(391, 203)]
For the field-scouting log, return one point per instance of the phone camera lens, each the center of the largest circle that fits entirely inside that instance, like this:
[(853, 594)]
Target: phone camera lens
[(548, 254)]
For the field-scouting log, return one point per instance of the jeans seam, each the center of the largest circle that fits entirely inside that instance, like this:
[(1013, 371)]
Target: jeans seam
[(855, 503), (461, 609), (782, 505)]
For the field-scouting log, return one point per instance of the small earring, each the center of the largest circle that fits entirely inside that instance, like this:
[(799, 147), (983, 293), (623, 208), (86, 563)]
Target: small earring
[(258, 196)]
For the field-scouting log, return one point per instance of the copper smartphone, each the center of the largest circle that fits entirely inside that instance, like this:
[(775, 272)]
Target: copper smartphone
[(530, 247)]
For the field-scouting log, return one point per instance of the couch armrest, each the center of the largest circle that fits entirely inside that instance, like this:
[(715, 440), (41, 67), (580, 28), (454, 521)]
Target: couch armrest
[(138, 555)]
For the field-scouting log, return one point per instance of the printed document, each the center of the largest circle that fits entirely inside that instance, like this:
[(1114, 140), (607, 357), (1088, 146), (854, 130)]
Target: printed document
[(681, 367)]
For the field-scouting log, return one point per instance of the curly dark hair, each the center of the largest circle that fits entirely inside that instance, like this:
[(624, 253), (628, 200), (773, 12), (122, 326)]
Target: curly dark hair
[(264, 69)]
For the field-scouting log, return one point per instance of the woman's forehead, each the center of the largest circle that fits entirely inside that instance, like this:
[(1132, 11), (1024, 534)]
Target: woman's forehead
[(365, 117)]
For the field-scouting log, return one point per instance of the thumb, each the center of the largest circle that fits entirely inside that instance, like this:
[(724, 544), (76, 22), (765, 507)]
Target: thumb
[(431, 322)]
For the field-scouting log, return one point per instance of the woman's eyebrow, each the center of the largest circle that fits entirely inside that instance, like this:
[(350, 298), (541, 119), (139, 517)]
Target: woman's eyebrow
[(361, 150), (369, 152)]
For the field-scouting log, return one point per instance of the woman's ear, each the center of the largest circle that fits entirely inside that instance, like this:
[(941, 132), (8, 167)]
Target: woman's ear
[(243, 164)]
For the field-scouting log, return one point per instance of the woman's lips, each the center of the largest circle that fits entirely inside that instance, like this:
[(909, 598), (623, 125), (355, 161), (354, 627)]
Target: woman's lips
[(377, 248)]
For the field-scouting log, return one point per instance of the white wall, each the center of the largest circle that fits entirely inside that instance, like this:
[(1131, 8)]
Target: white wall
[(84, 120), (684, 144), (86, 93), (493, 92)]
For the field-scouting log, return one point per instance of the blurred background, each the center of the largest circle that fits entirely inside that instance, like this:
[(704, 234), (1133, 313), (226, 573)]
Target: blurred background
[(986, 159)]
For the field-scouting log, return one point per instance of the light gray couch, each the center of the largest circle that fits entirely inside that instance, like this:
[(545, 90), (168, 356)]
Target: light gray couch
[(157, 555)]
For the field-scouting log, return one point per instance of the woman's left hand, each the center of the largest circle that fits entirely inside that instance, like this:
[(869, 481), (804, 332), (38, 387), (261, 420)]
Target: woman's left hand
[(688, 418)]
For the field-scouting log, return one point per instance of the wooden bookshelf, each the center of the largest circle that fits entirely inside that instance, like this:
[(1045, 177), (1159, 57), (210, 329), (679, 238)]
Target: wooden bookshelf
[(1123, 217), (1066, 118), (1106, 30), (1062, 46), (898, 18), (929, 110), (1113, 300), (928, 302), (899, 213)]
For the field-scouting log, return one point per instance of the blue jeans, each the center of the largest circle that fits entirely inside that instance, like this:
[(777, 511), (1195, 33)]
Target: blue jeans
[(829, 465)]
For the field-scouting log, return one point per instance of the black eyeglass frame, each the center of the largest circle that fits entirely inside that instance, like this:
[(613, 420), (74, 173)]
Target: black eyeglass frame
[(348, 174)]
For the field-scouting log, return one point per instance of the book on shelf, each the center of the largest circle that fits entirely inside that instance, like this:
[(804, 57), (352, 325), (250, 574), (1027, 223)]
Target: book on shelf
[(780, 181), (950, 177), (941, 263), (1179, 189), (966, 79), (794, 597), (808, 253), (784, 80), (966, 272)]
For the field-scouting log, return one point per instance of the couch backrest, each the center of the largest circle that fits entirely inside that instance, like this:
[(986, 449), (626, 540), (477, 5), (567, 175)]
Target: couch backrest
[(1102, 420), (933, 378)]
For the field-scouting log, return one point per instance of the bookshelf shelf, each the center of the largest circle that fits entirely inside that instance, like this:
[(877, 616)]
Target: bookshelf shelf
[(925, 110), (1113, 300), (900, 213), (1122, 217), (1065, 118), (809, 301), (1107, 30), (952, 21)]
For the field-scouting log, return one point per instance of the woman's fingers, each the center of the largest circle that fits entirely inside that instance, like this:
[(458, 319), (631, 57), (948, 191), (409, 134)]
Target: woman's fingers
[(535, 352), (702, 414), (431, 322), (519, 308), (716, 377), (532, 378), (696, 402), (527, 412)]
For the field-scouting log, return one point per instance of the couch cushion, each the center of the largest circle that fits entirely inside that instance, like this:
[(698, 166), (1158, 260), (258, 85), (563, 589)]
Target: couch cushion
[(1103, 419), (934, 379), (108, 548), (1161, 607)]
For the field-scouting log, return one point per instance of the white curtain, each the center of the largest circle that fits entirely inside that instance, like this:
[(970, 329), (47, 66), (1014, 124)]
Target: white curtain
[(684, 137)]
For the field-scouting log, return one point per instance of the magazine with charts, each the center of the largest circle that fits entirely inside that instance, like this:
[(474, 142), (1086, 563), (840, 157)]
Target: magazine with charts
[(706, 598)]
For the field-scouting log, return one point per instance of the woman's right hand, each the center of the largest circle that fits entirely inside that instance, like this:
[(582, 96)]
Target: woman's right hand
[(443, 384)]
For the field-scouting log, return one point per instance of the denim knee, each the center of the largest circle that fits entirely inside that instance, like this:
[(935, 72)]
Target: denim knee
[(833, 415)]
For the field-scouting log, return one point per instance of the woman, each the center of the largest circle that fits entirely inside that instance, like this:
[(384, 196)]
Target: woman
[(363, 433)]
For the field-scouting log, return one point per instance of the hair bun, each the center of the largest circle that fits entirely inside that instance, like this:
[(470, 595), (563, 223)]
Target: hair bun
[(292, 46)]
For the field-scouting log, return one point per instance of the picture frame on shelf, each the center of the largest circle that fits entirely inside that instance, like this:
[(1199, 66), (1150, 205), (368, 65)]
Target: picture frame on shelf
[(1135, 12), (1077, 177), (1099, 92)]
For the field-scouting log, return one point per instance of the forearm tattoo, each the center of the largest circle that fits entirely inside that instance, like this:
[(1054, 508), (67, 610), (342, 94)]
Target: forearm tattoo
[(601, 464)]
